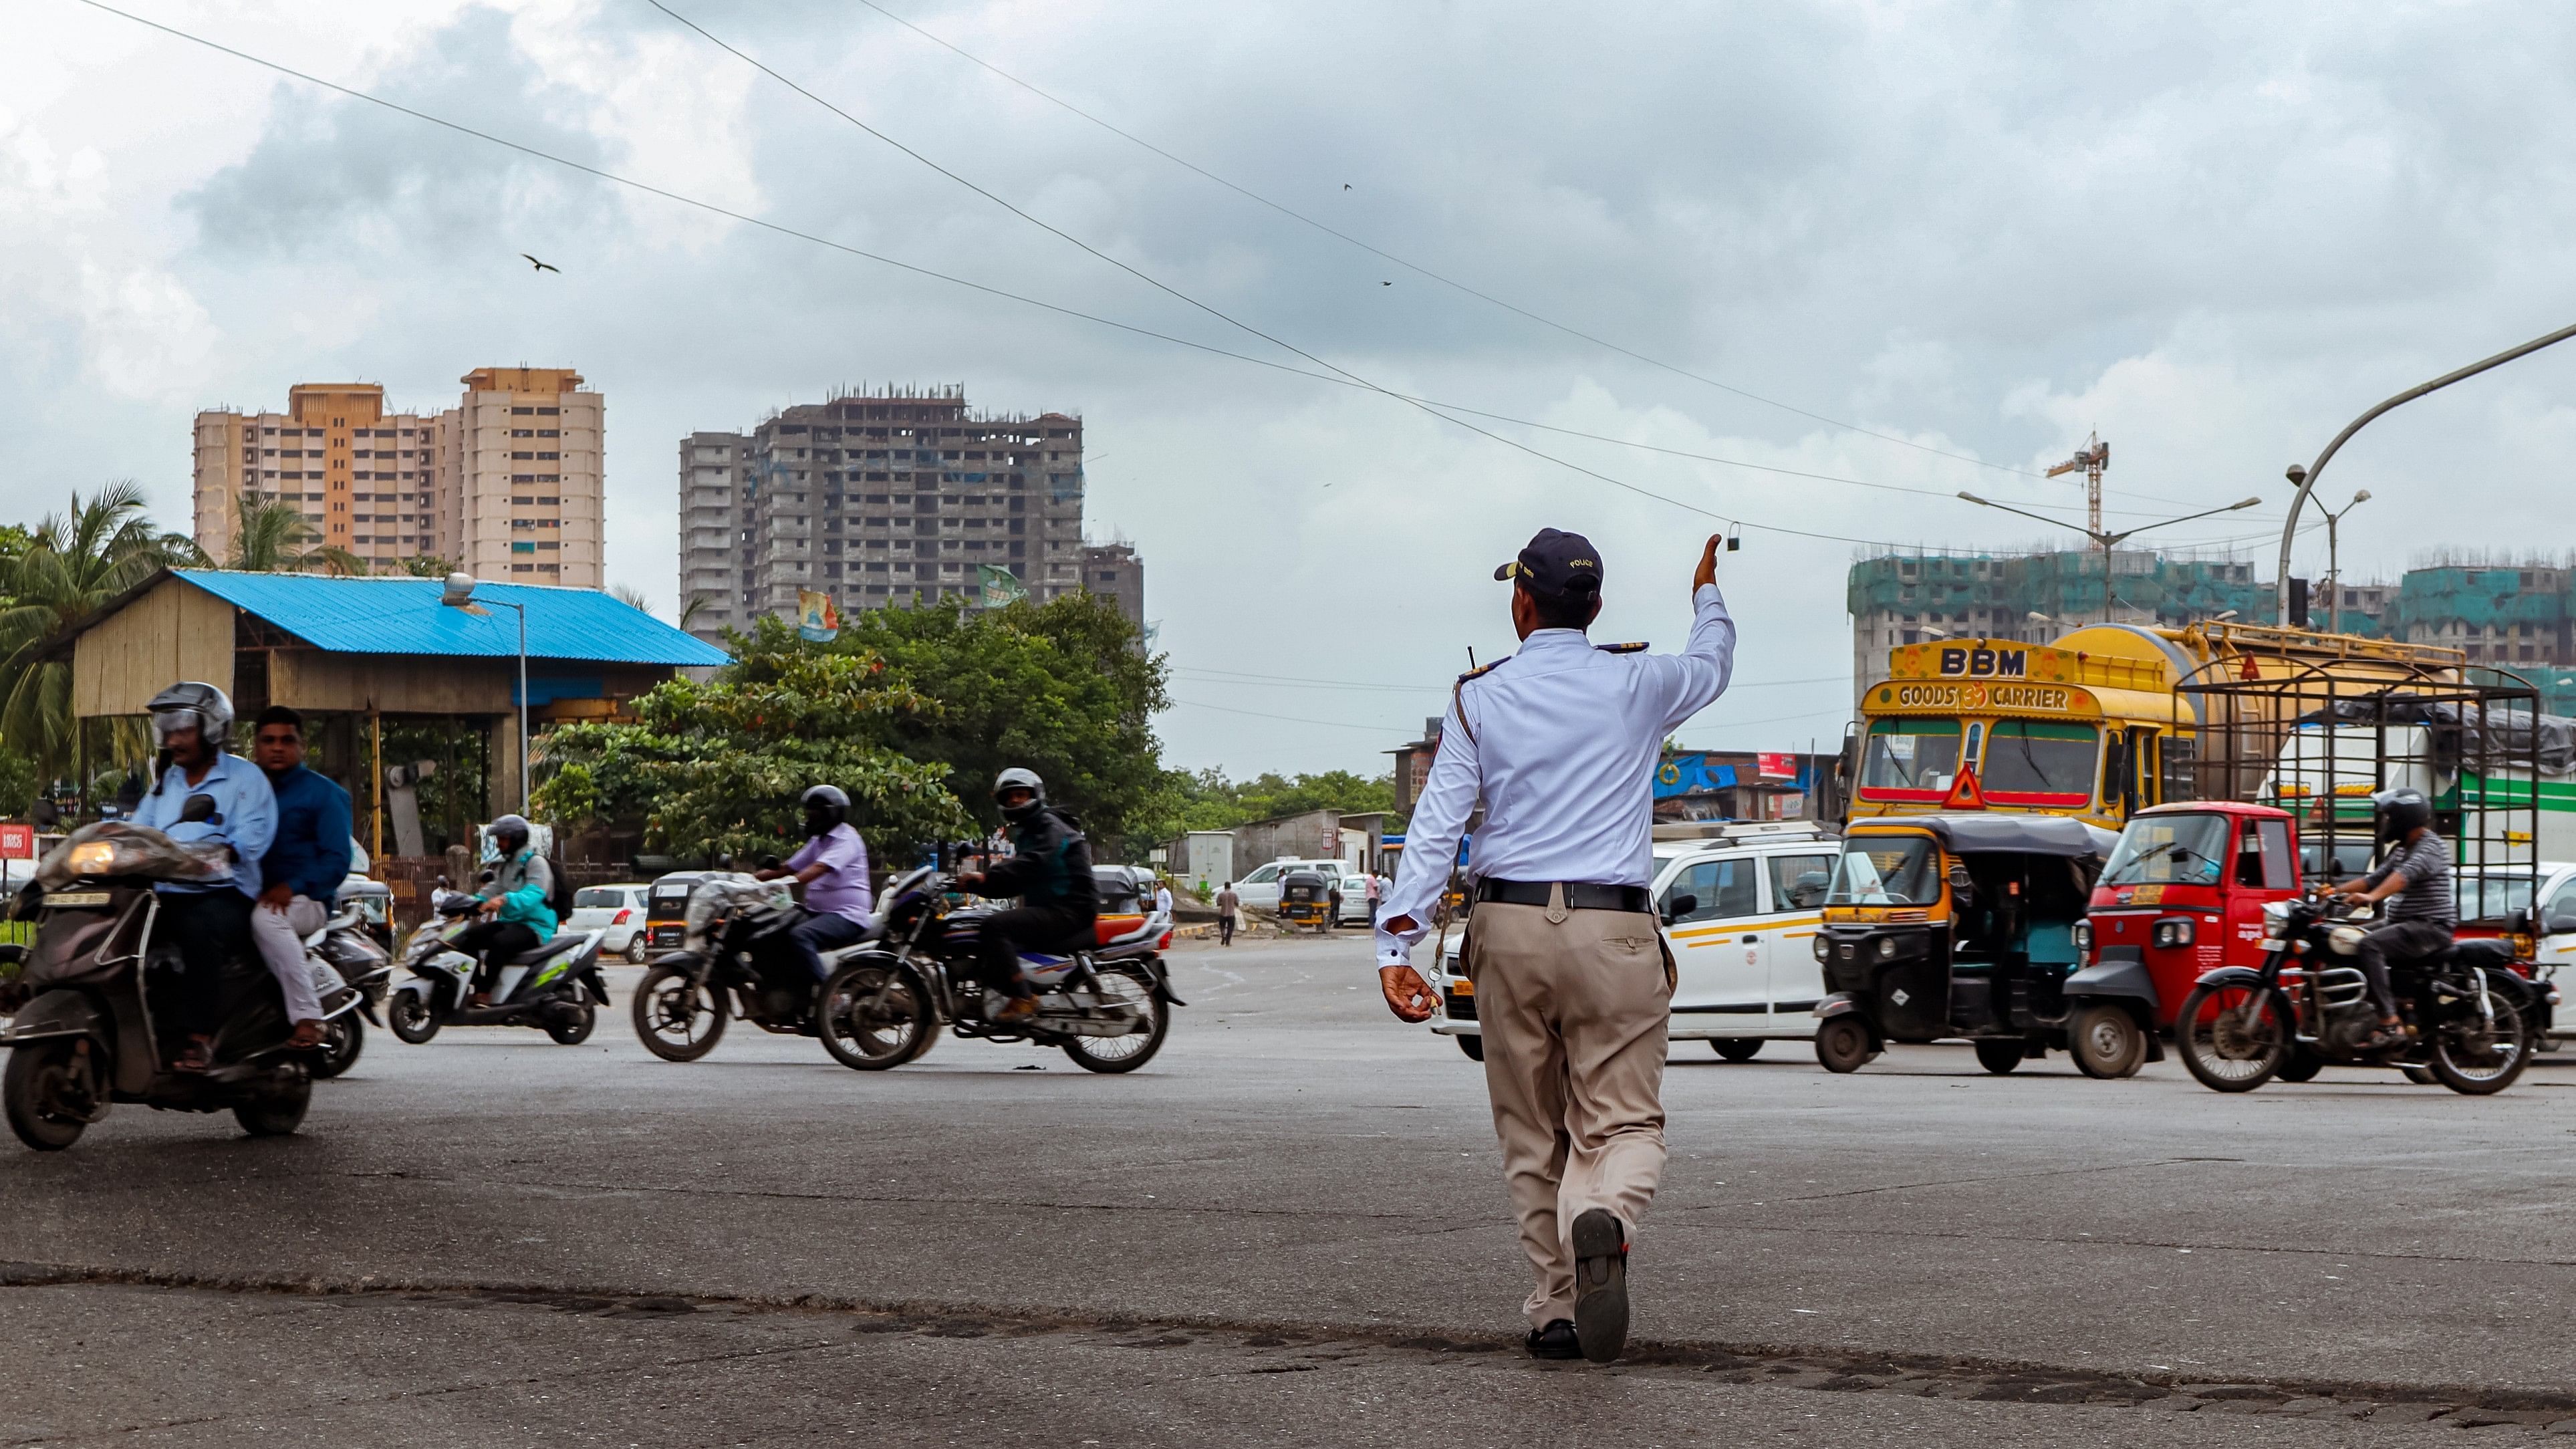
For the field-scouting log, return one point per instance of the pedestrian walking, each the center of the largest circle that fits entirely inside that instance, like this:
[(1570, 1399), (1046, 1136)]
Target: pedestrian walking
[(1572, 978), (1227, 903)]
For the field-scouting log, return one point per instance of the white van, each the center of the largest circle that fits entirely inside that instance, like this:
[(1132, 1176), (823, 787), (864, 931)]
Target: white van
[(1740, 911)]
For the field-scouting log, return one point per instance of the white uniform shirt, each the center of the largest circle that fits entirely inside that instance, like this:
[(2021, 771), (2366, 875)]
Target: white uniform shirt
[(1561, 741)]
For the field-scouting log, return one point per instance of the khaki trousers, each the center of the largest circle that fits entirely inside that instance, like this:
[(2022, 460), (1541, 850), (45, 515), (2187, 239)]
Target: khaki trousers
[(1573, 1007)]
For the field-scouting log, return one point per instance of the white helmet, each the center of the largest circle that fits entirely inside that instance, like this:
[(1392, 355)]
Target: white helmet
[(1016, 778), (192, 705)]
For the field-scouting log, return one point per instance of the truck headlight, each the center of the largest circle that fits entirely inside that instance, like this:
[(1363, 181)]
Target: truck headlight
[(2173, 933)]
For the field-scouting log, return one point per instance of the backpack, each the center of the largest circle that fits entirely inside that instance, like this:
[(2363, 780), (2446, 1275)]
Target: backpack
[(559, 900)]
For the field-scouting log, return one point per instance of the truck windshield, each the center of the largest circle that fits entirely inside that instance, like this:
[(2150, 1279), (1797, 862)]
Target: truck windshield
[(1910, 754), (2169, 850), (1886, 870), (2041, 757)]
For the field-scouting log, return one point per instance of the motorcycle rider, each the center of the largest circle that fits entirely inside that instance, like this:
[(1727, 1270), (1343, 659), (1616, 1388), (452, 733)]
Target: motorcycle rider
[(2420, 922), (517, 910), (832, 865), (1050, 871), (306, 861), (209, 921)]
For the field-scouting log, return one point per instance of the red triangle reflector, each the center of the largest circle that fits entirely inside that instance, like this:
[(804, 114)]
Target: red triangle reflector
[(1964, 793)]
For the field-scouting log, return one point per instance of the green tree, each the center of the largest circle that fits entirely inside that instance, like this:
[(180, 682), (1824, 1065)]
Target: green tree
[(427, 566), (1183, 800), (717, 768), (276, 538), (71, 565), (632, 597), (1064, 688)]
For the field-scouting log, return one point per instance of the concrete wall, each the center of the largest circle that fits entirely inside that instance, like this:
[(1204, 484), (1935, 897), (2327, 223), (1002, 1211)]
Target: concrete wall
[(1315, 835)]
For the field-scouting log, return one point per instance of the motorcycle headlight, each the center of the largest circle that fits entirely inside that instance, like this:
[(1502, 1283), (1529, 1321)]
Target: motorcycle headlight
[(2173, 933), (2344, 940), (2276, 917), (93, 857)]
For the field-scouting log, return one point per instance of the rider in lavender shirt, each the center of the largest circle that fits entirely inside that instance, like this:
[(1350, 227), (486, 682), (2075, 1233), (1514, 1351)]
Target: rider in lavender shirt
[(833, 868)]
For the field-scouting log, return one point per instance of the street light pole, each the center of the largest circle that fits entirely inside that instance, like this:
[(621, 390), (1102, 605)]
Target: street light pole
[(2104, 538), (2307, 478), (2334, 560), (459, 594)]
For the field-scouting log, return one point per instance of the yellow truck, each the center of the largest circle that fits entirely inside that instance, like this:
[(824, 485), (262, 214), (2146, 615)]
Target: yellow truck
[(2092, 726)]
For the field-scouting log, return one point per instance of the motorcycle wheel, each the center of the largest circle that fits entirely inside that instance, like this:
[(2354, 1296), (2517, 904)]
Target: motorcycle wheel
[(2230, 1039), (677, 1019), (277, 1113), (2000, 1057), (1737, 1048), (2473, 1059), (30, 1090), (1473, 1046), (411, 1017), (1842, 1045), (2302, 1066), (1127, 986), (872, 1041), (2106, 1043), (343, 1037), (577, 1030), (2420, 1076)]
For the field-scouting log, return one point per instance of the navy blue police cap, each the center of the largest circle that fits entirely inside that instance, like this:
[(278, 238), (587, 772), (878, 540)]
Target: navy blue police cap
[(1555, 564)]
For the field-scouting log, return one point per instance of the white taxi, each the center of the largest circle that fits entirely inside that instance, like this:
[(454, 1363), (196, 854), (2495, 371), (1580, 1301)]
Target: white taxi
[(1741, 905)]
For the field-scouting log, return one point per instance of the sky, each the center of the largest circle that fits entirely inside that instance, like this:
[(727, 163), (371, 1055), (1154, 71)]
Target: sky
[(1888, 251)]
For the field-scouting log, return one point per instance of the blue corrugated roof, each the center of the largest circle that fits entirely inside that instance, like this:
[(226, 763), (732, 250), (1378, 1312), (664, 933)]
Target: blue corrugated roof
[(404, 616)]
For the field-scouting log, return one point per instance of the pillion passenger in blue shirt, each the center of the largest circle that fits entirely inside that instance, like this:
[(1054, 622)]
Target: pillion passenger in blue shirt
[(209, 922), (305, 864)]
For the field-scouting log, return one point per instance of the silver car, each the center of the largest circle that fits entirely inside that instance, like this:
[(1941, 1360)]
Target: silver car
[(617, 910)]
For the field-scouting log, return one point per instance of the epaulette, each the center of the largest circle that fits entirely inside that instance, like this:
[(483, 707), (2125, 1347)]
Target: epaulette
[(1458, 692), (1481, 670), (1636, 648)]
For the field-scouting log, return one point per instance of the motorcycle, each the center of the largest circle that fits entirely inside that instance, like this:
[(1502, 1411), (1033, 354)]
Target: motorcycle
[(2471, 1019), (88, 1031), (1107, 1007), (554, 986), (734, 959), (345, 958)]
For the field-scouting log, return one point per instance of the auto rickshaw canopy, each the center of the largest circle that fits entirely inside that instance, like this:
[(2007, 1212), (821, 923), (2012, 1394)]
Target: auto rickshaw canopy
[(1973, 833)]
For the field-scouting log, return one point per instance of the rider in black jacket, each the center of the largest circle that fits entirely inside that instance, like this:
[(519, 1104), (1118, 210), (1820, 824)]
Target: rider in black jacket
[(1050, 871)]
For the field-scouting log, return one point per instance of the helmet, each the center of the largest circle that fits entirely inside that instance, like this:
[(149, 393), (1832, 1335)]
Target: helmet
[(2398, 811), (510, 832), (192, 705), (1016, 778), (825, 807)]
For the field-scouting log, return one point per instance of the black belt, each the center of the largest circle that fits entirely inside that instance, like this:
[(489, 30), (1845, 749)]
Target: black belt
[(1579, 895)]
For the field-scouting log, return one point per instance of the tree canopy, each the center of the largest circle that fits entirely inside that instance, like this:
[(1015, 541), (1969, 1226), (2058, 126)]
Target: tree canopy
[(1184, 800)]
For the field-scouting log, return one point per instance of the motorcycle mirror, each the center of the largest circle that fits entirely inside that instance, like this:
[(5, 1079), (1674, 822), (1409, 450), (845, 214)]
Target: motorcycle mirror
[(199, 809)]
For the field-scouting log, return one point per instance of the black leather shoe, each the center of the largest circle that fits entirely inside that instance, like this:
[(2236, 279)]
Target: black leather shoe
[(1555, 1341), (1600, 1284)]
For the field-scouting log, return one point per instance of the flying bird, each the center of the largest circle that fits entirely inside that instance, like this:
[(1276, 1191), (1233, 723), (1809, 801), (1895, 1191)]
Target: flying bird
[(1346, 186), (542, 266), (1386, 284)]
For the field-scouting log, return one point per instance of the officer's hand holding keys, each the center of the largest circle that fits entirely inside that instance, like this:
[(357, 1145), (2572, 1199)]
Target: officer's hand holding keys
[(1407, 994)]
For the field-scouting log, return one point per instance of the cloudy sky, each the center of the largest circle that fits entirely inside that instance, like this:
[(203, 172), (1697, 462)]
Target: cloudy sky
[(1921, 246)]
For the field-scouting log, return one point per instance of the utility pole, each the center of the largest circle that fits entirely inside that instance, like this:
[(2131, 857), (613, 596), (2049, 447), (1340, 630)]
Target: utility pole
[(2334, 562), (2105, 540), (2092, 458)]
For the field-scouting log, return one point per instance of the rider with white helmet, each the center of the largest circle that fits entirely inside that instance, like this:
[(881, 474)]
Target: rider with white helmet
[(208, 921), (1050, 871), (832, 865)]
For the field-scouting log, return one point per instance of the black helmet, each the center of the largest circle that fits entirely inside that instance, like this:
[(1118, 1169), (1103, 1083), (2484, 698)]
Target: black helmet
[(191, 705), (1016, 778), (2397, 811), (825, 807), (510, 832)]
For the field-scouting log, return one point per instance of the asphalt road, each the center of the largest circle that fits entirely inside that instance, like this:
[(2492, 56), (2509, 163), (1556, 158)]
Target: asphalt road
[(1290, 1229)]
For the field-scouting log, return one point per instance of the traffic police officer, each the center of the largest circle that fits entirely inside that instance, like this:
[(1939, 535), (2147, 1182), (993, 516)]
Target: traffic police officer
[(1572, 979)]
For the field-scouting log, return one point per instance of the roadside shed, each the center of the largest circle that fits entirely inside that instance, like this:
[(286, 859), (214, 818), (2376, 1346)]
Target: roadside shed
[(385, 673)]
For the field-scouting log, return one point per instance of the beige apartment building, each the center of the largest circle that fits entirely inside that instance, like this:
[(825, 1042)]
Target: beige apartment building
[(508, 484)]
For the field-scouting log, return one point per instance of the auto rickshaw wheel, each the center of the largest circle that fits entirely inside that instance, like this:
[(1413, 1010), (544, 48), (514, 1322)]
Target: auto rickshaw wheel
[(2106, 1042), (2304, 1065), (1843, 1044), (1472, 1045), (2000, 1057), (1737, 1048)]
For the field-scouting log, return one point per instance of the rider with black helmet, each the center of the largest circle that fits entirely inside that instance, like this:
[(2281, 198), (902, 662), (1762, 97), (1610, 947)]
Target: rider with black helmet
[(518, 903), (1050, 871), (832, 865), (2417, 871)]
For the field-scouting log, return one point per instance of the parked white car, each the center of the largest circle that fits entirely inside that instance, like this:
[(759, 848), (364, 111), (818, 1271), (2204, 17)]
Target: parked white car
[(617, 910), (1261, 888), (1740, 913)]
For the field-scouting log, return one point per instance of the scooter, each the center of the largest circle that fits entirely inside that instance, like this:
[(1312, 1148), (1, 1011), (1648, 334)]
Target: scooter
[(351, 974), (89, 1031), (555, 987)]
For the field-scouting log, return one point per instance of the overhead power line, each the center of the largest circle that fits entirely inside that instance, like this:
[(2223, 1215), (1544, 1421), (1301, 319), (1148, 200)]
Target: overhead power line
[(1421, 270)]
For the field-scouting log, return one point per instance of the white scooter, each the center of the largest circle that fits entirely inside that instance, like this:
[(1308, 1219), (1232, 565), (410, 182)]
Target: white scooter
[(349, 975), (555, 987)]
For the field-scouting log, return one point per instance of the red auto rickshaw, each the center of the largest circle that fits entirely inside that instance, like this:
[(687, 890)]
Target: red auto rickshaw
[(2183, 895)]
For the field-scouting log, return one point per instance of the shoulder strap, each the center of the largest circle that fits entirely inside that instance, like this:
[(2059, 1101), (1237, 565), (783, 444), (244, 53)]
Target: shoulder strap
[(1636, 648), (1458, 694)]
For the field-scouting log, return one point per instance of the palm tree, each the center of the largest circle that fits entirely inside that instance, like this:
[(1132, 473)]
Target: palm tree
[(689, 611), (74, 563), (276, 538), (632, 597)]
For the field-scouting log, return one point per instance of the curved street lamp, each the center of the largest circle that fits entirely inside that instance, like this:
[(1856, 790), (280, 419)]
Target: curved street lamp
[(459, 594), (2306, 477), (2105, 539)]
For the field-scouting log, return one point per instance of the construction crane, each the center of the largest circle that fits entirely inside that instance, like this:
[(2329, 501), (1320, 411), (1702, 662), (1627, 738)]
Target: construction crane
[(2092, 458)]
